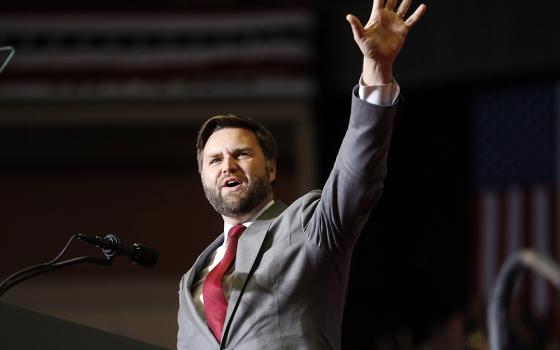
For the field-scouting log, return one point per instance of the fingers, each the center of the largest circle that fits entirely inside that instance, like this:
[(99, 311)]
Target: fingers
[(377, 5), (401, 11), (390, 5), (415, 17), (356, 25), (403, 7)]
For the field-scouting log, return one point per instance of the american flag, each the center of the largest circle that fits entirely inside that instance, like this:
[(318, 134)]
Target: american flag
[(515, 176)]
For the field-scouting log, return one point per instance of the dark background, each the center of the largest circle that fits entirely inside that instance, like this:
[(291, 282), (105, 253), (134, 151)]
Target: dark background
[(413, 266)]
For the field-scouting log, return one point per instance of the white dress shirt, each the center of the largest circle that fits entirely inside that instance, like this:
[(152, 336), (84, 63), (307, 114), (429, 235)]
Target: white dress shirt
[(213, 260)]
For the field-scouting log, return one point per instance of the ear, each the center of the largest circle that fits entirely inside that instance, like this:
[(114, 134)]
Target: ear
[(271, 165)]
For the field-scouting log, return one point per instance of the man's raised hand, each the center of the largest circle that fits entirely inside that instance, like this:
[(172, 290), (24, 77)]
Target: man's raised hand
[(383, 36)]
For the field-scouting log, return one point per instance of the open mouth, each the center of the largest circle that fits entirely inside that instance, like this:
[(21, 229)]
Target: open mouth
[(231, 183)]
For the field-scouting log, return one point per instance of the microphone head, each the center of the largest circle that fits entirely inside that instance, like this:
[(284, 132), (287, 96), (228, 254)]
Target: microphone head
[(111, 244), (144, 256)]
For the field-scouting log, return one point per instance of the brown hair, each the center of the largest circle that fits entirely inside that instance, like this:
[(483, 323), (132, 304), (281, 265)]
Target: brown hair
[(264, 136)]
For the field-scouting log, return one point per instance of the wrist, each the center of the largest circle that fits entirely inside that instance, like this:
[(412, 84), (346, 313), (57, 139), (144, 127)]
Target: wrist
[(375, 73)]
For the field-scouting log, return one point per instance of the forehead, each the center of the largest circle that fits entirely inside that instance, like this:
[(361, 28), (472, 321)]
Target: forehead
[(230, 139)]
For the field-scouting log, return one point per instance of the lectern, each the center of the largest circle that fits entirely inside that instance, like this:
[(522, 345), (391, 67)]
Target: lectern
[(21, 329)]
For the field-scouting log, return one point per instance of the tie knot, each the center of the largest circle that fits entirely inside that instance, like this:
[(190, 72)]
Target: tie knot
[(236, 231)]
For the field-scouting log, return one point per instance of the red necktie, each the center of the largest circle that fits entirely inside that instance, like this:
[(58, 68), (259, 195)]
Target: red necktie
[(215, 303)]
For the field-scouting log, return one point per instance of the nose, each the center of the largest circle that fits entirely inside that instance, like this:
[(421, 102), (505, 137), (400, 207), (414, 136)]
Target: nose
[(229, 165)]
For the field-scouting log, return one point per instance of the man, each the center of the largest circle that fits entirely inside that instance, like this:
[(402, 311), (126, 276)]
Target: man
[(279, 281)]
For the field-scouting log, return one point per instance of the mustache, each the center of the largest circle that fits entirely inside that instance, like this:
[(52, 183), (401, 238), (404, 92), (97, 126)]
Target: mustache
[(221, 179)]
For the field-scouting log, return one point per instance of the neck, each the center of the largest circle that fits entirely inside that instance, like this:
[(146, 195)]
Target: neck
[(250, 216)]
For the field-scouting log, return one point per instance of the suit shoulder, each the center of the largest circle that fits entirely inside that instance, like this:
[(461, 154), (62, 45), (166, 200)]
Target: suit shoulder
[(303, 206)]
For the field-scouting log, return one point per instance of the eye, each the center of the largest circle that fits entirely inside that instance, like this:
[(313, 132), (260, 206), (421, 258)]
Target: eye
[(243, 155), (213, 161)]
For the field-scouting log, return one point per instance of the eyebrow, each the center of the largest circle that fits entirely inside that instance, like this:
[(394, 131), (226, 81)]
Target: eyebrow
[(235, 150)]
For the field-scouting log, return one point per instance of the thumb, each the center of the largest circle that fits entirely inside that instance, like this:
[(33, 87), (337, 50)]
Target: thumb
[(356, 25)]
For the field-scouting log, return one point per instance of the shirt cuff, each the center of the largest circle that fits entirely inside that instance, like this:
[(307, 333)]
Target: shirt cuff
[(381, 95)]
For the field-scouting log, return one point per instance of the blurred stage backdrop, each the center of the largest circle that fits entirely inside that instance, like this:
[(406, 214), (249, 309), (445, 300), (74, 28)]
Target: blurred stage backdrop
[(101, 103)]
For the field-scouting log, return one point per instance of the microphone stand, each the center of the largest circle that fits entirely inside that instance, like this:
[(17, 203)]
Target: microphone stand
[(52, 265)]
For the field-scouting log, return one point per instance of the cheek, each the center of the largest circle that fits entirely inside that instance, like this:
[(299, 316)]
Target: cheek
[(207, 179), (256, 172)]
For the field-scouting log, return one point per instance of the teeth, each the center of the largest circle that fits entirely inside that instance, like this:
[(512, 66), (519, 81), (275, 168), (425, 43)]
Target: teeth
[(232, 183)]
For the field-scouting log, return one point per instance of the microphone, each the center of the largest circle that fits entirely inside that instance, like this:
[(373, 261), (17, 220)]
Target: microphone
[(112, 245)]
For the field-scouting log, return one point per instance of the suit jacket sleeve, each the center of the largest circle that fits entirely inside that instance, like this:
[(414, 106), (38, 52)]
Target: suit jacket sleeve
[(356, 180)]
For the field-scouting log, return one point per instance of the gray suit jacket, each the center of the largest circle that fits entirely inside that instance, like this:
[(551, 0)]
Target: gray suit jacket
[(292, 263)]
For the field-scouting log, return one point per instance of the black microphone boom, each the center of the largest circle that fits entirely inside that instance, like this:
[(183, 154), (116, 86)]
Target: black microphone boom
[(112, 245)]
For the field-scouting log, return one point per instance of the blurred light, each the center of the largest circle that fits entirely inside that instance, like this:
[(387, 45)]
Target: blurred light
[(476, 340)]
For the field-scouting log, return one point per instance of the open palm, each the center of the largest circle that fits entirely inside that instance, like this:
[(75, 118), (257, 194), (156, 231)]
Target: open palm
[(383, 36)]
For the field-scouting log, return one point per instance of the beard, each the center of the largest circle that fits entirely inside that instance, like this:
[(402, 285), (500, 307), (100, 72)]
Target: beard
[(241, 202)]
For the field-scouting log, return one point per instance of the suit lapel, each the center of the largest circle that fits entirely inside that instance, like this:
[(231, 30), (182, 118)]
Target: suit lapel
[(199, 265), (248, 249)]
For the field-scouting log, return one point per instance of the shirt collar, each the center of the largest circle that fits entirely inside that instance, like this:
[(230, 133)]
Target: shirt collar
[(247, 223)]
